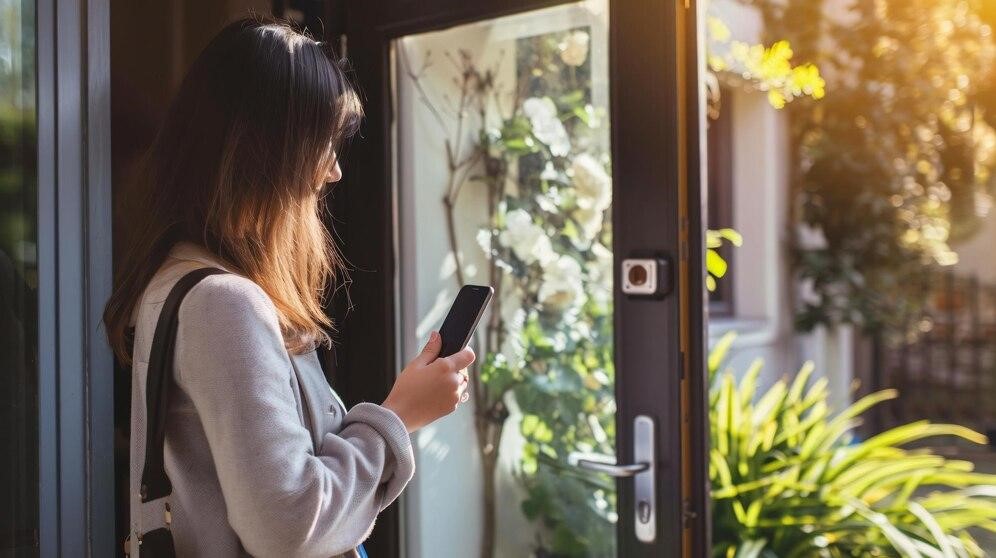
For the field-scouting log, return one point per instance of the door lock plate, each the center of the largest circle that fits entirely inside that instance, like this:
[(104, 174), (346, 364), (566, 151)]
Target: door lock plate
[(646, 277)]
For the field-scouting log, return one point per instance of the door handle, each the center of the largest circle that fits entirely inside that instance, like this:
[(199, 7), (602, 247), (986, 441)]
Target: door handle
[(611, 469), (642, 471)]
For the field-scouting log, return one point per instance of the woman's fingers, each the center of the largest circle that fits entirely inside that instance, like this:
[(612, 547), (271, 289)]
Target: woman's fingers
[(460, 360), (430, 351)]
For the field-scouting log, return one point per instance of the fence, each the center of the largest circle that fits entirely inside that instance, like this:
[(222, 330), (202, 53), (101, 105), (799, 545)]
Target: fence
[(945, 370)]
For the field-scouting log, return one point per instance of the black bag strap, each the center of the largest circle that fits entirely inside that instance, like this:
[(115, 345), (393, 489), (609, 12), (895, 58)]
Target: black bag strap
[(155, 483)]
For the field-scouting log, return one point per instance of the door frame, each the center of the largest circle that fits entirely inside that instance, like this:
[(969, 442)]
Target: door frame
[(364, 213), (75, 366)]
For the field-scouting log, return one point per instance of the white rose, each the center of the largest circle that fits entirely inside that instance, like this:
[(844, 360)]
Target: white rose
[(599, 286), (549, 173), (807, 292), (526, 239), (512, 348), (574, 48), (484, 241), (590, 220), (592, 185), (547, 127), (562, 287), (810, 238)]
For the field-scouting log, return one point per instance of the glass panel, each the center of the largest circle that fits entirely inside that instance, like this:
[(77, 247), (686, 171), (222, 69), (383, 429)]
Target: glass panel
[(18, 282), (860, 250), (504, 179)]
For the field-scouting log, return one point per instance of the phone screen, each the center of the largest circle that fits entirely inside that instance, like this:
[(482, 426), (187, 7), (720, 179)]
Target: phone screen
[(460, 323)]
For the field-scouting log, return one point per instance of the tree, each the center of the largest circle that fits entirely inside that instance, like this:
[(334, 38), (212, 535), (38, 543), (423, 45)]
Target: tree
[(897, 161)]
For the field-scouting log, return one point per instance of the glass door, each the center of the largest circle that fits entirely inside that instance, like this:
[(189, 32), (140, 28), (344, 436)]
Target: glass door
[(542, 150), (504, 178)]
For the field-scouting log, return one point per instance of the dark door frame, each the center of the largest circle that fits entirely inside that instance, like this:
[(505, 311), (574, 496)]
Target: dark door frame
[(655, 63)]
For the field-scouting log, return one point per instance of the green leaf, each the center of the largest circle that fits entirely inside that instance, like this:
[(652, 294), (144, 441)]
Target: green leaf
[(720, 350), (901, 435), (715, 263), (936, 531), (750, 549)]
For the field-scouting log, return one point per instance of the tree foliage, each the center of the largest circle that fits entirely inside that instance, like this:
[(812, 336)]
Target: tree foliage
[(896, 162)]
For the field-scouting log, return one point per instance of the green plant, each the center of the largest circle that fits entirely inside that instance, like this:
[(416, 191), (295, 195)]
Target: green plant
[(716, 265), (789, 479)]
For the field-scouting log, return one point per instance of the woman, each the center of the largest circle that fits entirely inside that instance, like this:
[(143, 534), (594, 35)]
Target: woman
[(261, 455)]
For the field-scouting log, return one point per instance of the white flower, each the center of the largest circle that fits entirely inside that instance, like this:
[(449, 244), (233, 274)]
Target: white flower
[(484, 241), (550, 201), (549, 173), (807, 292), (592, 185), (558, 341), (547, 127), (562, 287), (599, 286), (526, 239), (810, 238), (590, 220), (574, 48), (512, 348)]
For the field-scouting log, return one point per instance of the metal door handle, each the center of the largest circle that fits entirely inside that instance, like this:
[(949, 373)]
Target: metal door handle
[(642, 472), (611, 469)]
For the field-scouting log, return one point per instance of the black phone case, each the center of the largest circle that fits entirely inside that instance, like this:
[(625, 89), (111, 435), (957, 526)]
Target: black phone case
[(458, 342)]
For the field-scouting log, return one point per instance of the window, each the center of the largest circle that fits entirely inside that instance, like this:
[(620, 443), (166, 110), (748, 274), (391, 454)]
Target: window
[(18, 283), (720, 206)]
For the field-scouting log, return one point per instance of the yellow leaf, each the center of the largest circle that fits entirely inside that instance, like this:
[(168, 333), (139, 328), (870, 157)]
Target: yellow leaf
[(718, 31)]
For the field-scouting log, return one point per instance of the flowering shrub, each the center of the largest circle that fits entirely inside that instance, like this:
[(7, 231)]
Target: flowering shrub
[(550, 236)]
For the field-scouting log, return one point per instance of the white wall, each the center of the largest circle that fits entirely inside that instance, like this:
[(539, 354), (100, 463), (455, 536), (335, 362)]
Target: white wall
[(763, 289), (977, 255), (442, 510)]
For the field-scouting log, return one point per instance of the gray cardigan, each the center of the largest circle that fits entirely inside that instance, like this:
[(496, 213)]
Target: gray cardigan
[(262, 456)]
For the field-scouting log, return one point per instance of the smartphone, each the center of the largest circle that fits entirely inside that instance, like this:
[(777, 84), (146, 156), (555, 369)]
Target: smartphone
[(461, 321)]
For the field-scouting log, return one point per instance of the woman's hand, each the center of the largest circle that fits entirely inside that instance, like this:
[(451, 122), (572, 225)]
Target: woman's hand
[(429, 388)]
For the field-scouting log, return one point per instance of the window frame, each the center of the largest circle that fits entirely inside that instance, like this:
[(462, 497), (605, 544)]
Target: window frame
[(75, 366), (719, 211)]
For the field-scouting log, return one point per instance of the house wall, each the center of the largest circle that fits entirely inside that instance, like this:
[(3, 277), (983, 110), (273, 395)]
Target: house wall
[(977, 255), (760, 270), (763, 290)]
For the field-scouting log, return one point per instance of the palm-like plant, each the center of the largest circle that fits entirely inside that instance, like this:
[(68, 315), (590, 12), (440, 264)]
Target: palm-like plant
[(789, 480)]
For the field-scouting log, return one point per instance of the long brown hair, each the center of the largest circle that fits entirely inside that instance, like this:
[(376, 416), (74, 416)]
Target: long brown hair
[(237, 168)]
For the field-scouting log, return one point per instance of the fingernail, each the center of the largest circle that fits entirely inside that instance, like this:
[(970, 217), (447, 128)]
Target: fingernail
[(433, 336)]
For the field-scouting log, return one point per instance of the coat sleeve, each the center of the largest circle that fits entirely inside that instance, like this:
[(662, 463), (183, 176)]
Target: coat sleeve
[(282, 499)]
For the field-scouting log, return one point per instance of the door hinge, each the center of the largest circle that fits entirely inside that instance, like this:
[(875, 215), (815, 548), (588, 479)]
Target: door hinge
[(687, 514)]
